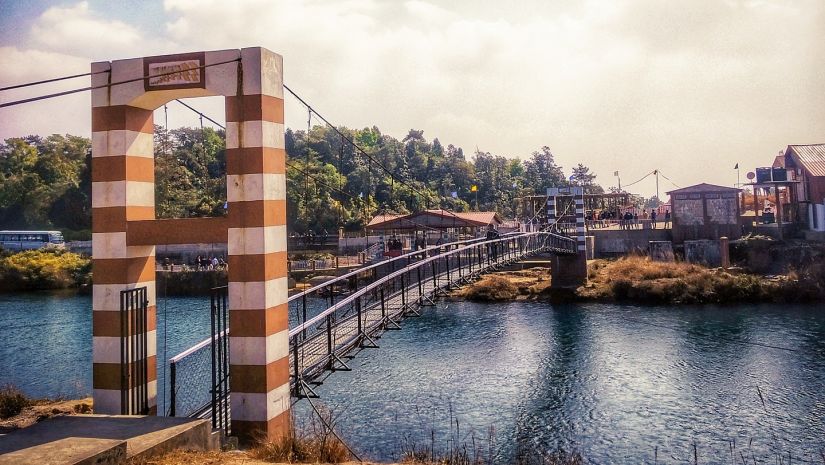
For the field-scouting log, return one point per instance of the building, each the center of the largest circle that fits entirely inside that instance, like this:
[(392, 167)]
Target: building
[(705, 211), (806, 165), (434, 220)]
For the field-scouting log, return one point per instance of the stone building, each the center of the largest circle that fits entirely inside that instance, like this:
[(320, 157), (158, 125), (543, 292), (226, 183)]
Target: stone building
[(705, 211)]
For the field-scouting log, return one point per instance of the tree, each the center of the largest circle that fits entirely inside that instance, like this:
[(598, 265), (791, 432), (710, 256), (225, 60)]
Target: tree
[(582, 176), (541, 171)]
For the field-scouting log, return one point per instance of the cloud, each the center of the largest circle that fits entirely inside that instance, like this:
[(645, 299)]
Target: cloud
[(630, 85), (77, 28)]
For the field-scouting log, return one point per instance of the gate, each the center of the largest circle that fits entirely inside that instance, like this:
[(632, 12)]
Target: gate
[(220, 360), (134, 367)]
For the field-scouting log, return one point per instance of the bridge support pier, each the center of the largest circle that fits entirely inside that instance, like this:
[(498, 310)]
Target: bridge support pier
[(125, 230), (568, 271)]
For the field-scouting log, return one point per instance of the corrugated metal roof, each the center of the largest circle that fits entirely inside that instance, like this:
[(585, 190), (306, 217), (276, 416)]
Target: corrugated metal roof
[(704, 187), (810, 157), (438, 219), (382, 218)]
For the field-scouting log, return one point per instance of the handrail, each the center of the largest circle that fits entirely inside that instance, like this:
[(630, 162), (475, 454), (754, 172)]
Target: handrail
[(196, 347), (357, 294), (382, 263)]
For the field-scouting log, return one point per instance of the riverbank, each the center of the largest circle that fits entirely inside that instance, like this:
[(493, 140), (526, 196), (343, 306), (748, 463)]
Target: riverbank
[(19, 411), (641, 280)]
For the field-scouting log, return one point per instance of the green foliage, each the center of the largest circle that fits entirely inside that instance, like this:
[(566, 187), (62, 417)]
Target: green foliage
[(42, 269), (45, 183)]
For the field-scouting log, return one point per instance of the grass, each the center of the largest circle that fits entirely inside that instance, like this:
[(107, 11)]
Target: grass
[(316, 442), (642, 280)]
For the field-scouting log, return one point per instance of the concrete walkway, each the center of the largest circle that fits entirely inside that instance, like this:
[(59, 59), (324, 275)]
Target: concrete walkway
[(103, 439)]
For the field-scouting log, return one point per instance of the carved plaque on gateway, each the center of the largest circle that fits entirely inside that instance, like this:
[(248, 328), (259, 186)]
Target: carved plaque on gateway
[(184, 71)]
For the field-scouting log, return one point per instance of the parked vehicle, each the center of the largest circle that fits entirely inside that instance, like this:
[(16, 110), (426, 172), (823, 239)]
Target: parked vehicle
[(31, 240)]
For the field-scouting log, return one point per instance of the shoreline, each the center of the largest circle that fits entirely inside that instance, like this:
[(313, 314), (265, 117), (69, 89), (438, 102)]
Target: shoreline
[(640, 281)]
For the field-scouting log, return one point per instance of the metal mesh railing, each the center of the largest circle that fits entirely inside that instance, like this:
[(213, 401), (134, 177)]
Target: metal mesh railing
[(190, 380)]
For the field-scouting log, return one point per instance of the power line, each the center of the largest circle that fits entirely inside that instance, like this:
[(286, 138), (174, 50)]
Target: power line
[(663, 175), (639, 180), (46, 81), (103, 86)]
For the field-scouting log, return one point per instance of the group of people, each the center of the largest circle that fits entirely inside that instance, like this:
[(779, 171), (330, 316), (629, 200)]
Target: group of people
[(206, 263), (627, 220)]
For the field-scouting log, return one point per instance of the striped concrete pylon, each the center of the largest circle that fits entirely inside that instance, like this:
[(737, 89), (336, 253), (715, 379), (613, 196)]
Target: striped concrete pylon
[(123, 195)]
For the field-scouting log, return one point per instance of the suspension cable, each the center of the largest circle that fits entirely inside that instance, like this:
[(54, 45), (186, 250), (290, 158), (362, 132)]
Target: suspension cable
[(362, 151), (111, 84), (46, 81)]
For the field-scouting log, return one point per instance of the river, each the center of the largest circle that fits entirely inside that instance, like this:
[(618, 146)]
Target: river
[(617, 383)]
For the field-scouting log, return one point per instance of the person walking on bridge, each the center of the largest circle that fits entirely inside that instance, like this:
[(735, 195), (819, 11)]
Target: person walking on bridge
[(492, 234)]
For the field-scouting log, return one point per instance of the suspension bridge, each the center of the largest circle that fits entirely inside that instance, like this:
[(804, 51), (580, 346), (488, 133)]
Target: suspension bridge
[(333, 320), (267, 349)]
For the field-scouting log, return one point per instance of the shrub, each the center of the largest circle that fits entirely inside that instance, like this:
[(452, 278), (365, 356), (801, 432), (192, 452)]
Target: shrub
[(42, 269), (12, 401)]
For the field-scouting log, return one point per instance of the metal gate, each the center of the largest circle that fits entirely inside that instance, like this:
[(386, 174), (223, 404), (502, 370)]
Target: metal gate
[(134, 366), (220, 360)]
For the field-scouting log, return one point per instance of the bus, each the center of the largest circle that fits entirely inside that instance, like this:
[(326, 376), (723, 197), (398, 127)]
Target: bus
[(30, 240)]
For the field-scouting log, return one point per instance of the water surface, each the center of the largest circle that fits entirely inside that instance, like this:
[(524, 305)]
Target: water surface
[(613, 382)]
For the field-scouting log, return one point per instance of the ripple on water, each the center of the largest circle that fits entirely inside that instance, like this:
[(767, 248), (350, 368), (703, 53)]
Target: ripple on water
[(596, 378)]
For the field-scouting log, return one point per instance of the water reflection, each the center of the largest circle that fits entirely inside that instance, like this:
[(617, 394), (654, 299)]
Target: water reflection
[(613, 382)]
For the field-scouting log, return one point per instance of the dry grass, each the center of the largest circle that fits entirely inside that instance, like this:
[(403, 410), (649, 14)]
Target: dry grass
[(643, 280), (315, 442), (18, 411), (235, 457), (12, 401), (507, 285)]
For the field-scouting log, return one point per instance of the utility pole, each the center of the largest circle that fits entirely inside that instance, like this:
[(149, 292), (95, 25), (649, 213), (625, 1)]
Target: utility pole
[(616, 173), (656, 172)]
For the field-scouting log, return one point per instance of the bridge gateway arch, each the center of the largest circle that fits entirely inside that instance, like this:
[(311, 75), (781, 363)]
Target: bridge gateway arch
[(125, 230)]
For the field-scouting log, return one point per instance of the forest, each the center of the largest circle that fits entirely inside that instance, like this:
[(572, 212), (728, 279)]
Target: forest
[(45, 182)]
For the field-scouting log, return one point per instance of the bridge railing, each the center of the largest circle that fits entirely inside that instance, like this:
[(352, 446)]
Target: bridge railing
[(318, 344), (304, 304)]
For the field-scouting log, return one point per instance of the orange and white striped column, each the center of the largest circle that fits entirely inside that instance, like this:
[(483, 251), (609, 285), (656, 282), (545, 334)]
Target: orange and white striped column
[(256, 195), (122, 190)]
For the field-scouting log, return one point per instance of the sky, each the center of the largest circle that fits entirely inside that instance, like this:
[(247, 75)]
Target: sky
[(689, 88)]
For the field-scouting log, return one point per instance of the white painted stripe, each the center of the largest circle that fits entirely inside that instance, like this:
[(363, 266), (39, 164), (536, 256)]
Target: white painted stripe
[(248, 406), (113, 245), (579, 229), (121, 142), (582, 248), (117, 193), (255, 134), (258, 240), (258, 350), (260, 186), (257, 295), (106, 297), (579, 211), (107, 401), (107, 349)]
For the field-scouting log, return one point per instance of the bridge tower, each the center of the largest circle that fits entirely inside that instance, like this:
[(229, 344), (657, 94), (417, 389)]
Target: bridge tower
[(125, 230), (568, 270)]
